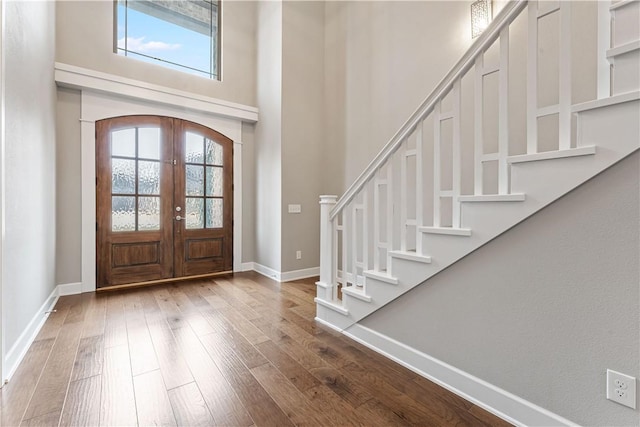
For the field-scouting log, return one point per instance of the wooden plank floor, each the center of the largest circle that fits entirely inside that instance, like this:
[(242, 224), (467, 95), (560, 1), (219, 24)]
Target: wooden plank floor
[(241, 350)]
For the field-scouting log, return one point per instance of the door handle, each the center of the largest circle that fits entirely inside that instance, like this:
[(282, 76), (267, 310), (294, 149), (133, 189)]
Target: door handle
[(178, 218)]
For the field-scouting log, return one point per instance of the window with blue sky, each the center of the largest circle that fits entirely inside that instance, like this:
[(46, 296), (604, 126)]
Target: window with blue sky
[(179, 34)]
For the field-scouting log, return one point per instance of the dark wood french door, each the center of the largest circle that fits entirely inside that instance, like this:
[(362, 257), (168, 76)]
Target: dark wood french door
[(164, 200)]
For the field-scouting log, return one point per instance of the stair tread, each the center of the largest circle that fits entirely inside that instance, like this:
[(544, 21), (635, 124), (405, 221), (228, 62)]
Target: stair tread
[(451, 231), (556, 154), (331, 305), (608, 101), (381, 275), (411, 256), (357, 292), (514, 197)]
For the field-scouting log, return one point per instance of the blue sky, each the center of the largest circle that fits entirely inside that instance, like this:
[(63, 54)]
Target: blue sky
[(157, 38)]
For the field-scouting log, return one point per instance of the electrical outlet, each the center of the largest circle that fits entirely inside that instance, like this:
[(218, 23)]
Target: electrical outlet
[(295, 209), (298, 254), (621, 388)]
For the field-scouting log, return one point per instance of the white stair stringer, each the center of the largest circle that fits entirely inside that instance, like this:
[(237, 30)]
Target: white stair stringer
[(611, 127)]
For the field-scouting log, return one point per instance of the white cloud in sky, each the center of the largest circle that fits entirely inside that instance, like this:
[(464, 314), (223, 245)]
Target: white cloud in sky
[(139, 45)]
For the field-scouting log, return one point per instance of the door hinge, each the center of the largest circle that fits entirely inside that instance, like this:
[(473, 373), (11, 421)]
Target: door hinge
[(96, 225), (96, 181)]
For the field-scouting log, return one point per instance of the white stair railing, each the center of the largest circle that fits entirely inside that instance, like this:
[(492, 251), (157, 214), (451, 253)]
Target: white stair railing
[(365, 220)]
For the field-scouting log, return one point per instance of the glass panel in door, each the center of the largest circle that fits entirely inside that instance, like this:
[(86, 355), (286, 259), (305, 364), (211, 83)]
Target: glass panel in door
[(204, 182)]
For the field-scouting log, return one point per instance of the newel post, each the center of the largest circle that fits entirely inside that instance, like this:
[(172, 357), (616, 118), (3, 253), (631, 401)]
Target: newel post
[(325, 285)]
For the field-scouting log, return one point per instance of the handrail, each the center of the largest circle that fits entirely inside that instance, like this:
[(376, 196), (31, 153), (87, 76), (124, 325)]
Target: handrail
[(510, 11)]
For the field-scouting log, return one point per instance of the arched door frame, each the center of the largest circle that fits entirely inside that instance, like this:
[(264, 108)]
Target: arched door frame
[(98, 106)]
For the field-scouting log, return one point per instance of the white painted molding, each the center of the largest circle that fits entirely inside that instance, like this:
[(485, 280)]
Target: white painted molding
[(356, 292), (411, 256), (266, 271), (84, 78), (280, 276), (332, 306), (499, 402), (2, 186), (288, 276), (17, 352), (606, 102), (621, 3), (623, 49), (550, 155), (69, 289), (246, 266), (448, 231), (513, 197), (381, 276)]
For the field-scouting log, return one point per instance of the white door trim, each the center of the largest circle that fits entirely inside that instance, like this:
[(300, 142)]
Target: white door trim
[(84, 78), (98, 106), (3, 375)]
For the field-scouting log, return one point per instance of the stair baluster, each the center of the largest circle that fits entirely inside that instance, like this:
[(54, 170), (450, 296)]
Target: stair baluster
[(503, 114), (419, 187), (532, 78), (389, 214)]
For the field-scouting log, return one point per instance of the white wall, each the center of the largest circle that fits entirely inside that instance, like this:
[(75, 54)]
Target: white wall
[(68, 187), (248, 192), (303, 133), (381, 60), (543, 310), (268, 132), (30, 175), (290, 134)]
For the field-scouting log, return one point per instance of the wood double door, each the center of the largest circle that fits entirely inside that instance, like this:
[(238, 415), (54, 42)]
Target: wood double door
[(164, 200)]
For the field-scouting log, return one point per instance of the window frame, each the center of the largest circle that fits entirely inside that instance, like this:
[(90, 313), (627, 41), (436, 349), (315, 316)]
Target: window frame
[(214, 74)]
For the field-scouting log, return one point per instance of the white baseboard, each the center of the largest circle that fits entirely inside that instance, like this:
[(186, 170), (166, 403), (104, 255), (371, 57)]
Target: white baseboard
[(246, 266), (299, 274), (15, 355), (501, 403), (266, 271), (285, 276), (70, 289)]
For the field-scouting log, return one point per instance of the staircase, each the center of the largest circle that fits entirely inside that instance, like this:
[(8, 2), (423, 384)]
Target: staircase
[(418, 208)]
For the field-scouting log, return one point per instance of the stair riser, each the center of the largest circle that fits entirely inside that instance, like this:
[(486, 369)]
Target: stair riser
[(626, 25), (626, 73), (626, 29)]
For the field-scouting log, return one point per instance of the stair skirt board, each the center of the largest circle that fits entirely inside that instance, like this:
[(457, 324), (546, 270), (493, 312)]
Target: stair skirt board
[(499, 402)]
